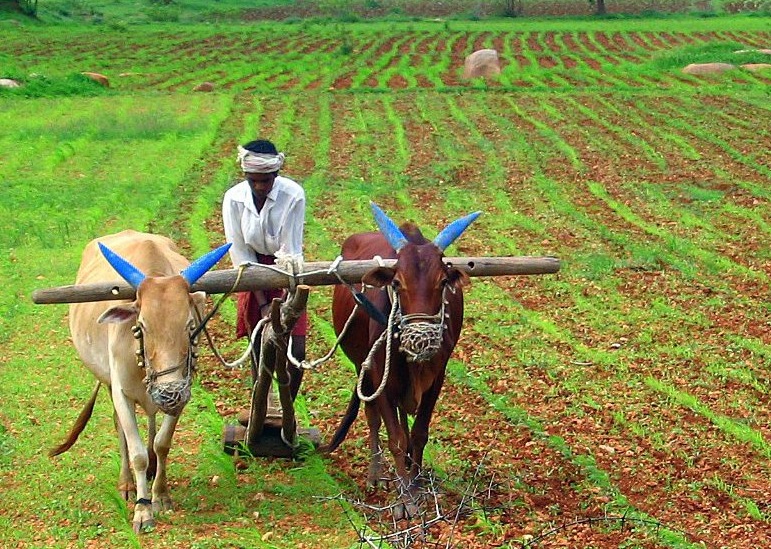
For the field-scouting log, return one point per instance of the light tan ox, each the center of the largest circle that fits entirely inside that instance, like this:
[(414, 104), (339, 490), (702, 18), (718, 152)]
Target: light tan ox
[(144, 351)]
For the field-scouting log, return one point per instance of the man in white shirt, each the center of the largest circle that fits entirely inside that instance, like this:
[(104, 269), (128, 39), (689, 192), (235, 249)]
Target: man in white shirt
[(262, 216)]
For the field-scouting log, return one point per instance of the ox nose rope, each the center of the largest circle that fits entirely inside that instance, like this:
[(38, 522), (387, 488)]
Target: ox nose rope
[(203, 321), (261, 323), (418, 340), (389, 335), (359, 298), (421, 340), (171, 397)]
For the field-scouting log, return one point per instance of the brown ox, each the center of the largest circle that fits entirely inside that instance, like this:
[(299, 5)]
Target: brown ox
[(144, 351), (426, 319)]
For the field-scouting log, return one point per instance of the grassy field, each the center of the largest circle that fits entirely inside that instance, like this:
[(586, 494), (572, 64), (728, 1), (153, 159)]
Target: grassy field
[(129, 12), (634, 383)]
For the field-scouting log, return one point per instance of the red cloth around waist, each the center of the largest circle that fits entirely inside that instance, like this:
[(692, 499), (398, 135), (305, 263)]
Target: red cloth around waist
[(250, 310)]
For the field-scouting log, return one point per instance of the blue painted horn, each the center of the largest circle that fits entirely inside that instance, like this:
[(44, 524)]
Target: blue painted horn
[(191, 274), (201, 265), (389, 229), (130, 274), (452, 231)]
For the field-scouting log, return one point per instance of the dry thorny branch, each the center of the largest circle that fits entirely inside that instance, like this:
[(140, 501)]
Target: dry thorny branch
[(379, 529), (443, 506)]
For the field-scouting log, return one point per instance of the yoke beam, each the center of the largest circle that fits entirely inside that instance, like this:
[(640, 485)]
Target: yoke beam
[(261, 277)]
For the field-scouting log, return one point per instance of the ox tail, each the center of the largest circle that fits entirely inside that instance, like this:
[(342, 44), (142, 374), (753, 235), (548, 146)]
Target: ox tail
[(342, 430), (80, 424)]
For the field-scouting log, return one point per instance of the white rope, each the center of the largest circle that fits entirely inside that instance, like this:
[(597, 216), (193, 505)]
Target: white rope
[(367, 364), (306, 365), (312, 365), (294, 444), (244, 357)]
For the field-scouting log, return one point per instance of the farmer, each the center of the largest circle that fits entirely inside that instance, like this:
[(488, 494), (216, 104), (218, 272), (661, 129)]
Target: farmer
[(264, 216)]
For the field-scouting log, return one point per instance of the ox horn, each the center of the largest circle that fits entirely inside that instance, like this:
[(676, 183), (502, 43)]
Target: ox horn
[(200, 266), (389, 229), (130, 274), (452, 231)]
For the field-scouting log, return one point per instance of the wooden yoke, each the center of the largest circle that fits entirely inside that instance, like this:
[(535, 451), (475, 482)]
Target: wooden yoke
[(274, 344), (318, 273)]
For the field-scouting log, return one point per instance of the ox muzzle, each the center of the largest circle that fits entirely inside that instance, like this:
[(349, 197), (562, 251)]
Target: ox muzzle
[(420, 334), (420, 341), (170, 396)]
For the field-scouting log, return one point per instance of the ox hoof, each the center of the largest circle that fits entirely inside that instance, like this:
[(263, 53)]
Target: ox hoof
[(408, 505), (375, 473), (143, 518), (144, 526), (372, 481), (162, 504)]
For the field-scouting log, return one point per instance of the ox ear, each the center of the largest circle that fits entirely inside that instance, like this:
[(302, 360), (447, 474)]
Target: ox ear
[(199, 298), (199, 301), (201, 265), (118, 314), (379, 277), (389, 229), (130, 274), (452, 231), (457, 278)]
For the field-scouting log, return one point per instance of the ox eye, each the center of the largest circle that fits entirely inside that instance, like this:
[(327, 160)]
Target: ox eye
[(395, 284)]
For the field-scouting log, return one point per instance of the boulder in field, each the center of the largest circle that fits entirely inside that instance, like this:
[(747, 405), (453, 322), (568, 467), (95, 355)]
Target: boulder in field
[(204, 87), (9, 83), (708, 68), (756, 66), (96, 77), (482, 63)]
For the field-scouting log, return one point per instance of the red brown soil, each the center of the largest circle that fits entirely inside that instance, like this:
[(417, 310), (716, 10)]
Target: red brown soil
[(665, 467)]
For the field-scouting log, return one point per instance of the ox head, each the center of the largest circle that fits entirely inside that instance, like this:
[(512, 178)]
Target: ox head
[(164, 317), (420, 280)]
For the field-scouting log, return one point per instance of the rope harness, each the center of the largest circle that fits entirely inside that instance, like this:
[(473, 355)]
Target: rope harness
[(420, 341), (170, 396), (419, 334)]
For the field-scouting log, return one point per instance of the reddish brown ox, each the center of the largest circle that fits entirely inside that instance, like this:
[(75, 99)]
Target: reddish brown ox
[(144, 351), (423, 308)]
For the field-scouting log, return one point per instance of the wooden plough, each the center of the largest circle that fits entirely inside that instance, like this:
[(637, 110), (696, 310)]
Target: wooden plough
[(273, 432)]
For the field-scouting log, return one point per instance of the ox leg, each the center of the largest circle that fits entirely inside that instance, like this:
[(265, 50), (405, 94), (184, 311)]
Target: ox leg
[(404, 421), (162, 444), (398, 441), (126, 486), (153, 461), (375, 449), (137, 453), (419, 434)]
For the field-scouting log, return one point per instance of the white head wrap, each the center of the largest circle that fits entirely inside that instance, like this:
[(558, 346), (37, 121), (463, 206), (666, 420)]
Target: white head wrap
[(252, 162)]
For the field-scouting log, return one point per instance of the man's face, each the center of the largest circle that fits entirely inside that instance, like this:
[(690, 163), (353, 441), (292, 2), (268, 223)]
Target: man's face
[(261, 183)]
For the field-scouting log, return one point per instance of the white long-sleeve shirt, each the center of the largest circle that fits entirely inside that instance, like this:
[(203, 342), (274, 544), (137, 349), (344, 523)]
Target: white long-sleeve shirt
[(279, 225)]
